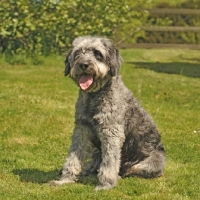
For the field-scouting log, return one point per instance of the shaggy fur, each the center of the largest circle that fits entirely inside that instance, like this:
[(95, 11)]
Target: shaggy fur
[(110, 125)]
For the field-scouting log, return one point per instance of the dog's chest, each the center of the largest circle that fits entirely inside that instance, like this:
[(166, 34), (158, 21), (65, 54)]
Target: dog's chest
[(99, 109), (90, 110)]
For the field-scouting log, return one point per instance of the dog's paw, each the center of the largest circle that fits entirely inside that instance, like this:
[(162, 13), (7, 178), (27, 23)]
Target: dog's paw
[(61, 182)]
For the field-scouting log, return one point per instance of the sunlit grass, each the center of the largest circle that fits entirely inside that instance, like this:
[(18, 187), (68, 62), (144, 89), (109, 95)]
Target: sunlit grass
[(36, 123)]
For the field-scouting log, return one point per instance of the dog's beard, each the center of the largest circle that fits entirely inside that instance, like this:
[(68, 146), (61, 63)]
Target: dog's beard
[(91, 79), (90, 83), (98, 84)]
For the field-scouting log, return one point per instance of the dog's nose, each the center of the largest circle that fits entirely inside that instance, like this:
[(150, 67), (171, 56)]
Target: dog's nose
[(83, 66)]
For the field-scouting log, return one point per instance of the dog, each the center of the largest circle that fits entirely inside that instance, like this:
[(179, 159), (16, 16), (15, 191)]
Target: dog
[(111, 127)]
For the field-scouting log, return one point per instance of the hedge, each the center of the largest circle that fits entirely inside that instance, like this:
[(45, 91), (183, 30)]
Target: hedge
[(45, 27)]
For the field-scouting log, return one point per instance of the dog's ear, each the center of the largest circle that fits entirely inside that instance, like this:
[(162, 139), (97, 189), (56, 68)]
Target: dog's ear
[(67, 63), (114, 59)]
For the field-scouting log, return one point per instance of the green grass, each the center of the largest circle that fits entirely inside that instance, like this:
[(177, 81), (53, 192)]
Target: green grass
[(36, 122)]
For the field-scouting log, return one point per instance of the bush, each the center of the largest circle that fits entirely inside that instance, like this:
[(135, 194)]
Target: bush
[(41, 27)]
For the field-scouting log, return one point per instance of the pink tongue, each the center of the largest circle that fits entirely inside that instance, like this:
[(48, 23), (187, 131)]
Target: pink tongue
[(85, 81)]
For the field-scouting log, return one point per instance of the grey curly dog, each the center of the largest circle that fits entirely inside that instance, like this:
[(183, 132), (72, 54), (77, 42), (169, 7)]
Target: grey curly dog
[(111, 127)]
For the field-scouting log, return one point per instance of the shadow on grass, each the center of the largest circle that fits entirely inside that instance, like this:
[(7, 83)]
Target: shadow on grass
[(35, 175), (38, 176), (88, 180), (185, 69)]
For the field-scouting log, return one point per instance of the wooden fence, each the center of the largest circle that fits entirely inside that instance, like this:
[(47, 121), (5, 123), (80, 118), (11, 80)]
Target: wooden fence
[(167, 29)]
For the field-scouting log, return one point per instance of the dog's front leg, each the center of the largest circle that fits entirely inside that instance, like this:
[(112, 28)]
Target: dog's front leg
[(78, 152), (111, 155)]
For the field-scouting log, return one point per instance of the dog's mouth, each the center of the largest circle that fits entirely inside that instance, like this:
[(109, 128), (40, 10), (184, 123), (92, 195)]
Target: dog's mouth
[(85, 81)]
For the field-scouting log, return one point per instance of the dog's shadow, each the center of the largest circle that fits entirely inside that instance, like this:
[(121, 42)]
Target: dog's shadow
[(35, 175), (42, 177)]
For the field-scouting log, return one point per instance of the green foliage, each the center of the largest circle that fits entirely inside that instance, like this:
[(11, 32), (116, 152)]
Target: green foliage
[(133, 20), (43, 27), (174, 20), (37, 120)]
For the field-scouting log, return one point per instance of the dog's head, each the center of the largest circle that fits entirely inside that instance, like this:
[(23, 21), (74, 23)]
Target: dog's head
[(91, 62)]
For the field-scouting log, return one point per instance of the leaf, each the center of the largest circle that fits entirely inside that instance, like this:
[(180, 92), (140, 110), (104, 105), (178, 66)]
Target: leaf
[(4, 32), (18, 34)]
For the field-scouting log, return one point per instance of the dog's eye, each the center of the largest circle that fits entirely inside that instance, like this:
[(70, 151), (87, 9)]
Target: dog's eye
[(98, 55)]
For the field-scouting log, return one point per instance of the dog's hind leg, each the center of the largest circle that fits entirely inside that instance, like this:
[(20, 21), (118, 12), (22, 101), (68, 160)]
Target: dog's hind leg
[(150, 167)]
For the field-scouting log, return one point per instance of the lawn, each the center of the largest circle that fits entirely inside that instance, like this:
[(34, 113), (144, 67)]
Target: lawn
[(36, 123)]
